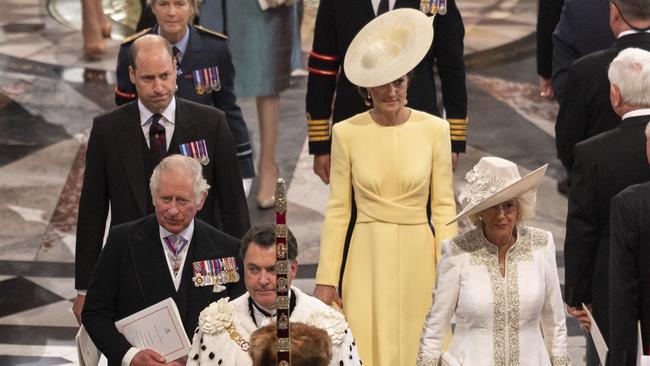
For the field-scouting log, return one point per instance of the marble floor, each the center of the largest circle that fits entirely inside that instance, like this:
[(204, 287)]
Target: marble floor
[(49, 94)]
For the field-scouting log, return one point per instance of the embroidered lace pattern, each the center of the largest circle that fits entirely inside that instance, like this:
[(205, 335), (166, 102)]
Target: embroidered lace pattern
[(560, 361), (505, 290)]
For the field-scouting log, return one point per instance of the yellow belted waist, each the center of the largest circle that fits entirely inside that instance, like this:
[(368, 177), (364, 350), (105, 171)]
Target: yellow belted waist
[(406, 209)]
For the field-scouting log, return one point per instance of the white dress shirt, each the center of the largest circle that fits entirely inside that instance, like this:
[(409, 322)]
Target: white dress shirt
[(168, 120), (185, 234), (375, 5)]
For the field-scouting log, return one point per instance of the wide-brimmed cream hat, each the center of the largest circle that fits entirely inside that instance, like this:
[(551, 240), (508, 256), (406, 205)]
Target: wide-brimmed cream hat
[(494, 180), (388, 47)]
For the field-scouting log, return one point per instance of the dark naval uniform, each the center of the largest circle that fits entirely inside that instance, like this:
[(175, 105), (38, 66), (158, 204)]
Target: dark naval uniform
[(337, 22), (207, 57)]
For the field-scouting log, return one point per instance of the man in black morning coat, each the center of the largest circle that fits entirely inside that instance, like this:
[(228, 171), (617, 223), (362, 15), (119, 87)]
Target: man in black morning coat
[(605, 165), (154, 258), (585, 109), (121, 158), (629, 270)]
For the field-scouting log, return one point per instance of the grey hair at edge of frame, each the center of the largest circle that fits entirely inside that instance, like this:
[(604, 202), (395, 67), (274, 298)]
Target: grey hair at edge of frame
[(630, 72), (181, 165), (264, 236)]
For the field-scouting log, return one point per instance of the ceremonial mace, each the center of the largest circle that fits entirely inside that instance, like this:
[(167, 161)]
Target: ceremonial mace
[(282, 270)]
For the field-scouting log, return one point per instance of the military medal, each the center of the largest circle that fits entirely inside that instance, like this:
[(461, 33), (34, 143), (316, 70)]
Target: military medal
[(197, 150), (433, 7), (216, 82), (198, 82), (175, 252), (198, 274), (207, 84)]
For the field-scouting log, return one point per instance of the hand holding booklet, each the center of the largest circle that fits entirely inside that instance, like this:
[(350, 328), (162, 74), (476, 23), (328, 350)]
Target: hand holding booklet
[(597, 337), (158, 327)]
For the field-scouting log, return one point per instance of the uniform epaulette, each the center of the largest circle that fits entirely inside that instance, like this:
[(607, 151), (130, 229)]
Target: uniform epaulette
[(210, 31), (135, 36)]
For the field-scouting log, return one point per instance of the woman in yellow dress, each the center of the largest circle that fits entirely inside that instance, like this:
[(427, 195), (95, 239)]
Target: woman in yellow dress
[(391, 161)]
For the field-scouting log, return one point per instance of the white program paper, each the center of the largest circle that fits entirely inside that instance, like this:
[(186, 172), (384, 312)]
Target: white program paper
[(641, 360), (597, 337), (87, 352), (158, 327)]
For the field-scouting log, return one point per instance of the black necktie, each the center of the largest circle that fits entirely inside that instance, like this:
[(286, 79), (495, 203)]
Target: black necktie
[(157, 139), (383, 7), (177, 56)]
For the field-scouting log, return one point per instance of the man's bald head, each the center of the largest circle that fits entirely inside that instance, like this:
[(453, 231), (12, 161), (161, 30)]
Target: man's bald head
[(149, 43)]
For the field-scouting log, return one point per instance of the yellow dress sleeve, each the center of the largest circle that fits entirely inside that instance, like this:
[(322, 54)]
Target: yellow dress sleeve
[(338, 212), (443, 204)]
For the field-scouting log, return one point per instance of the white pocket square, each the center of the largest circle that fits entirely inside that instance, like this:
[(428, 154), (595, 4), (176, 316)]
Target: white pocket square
[(218, 288)]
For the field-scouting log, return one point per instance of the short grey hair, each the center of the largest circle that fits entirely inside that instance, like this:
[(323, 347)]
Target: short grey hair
[(630, 72), (182, 165)]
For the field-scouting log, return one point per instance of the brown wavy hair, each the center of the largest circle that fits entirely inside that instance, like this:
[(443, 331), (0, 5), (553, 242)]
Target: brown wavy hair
[(310, 346)]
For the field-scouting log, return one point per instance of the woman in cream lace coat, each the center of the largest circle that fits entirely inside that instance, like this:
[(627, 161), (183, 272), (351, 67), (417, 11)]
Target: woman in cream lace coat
[(500, 280)]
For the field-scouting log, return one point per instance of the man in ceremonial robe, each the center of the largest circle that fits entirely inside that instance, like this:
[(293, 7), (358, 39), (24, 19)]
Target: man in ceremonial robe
[(225, 328)]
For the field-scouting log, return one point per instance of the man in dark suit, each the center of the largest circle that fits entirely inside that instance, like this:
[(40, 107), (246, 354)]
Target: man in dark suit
[(605, 165), (583, 28), (337, 22), (548, 16), (205, 73), (585, 110), (125, 145), (156, 257), (629, 270)]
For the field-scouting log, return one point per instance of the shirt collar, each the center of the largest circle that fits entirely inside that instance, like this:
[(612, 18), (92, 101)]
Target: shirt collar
[(185, 234), (636, 113), (630, 31), (169, 113), (182, 44)]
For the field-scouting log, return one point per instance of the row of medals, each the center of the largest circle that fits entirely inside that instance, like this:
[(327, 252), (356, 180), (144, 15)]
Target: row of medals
[(221, 278), (207, 87)]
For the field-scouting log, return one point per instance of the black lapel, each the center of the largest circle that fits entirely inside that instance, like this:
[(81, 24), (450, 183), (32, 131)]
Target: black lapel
[(130, 140), (193, 52), (641, 40), (406, 4), (149, 263), (363, 10), (184, 128)]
